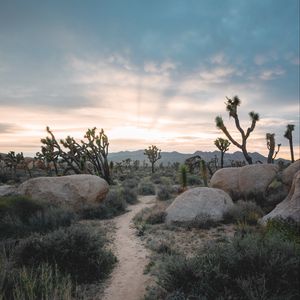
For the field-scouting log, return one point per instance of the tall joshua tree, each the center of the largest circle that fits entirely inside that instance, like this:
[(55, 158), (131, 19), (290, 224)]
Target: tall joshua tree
[(270, 137), (289, 136), (231, 107), (153, 154), (93, 150), (223, 146)]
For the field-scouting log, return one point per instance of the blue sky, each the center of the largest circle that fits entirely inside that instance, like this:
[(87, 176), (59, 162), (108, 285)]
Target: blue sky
[(147, 71)]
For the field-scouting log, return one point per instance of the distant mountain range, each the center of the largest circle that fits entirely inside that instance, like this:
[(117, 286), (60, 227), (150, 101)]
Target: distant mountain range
[(174, 156)]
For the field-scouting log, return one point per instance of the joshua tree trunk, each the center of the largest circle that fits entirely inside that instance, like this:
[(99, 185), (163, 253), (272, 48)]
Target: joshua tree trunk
[(222, 159), (292, 150), (247, 156), (288, 134), (152, 167)]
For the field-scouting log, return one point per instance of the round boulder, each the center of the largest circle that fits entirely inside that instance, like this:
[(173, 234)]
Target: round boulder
[(209, 203), (289, 172), (73, 190), (289, 208), (255, 179), (226, 179), (244, 181)]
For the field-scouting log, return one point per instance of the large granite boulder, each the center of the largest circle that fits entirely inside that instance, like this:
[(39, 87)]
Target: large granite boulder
[(289, 172), (243, 181), (195, 203), (226, 179), (290, 206), (73, 190)]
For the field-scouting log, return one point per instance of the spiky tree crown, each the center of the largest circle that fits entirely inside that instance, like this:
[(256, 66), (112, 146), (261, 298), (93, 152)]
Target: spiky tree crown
[(219, 122), (288, 132), (232, 104), (222, 144), (254, 116)]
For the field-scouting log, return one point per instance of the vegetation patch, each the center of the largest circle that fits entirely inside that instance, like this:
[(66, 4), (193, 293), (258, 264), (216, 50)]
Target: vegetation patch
[(253, 266), (146, 187), (20, 216), (244, 211)]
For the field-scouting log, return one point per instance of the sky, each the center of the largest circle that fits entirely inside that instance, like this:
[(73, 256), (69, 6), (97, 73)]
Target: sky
[(148, 72)]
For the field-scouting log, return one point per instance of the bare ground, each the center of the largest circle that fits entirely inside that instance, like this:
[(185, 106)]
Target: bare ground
[(128, 280)]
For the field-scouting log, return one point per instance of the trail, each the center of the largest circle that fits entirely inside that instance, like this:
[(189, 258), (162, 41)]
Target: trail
[(128, 281)]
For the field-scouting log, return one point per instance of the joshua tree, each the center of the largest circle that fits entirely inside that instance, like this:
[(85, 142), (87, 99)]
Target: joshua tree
[(12, 160), (223, 146), (231, 107), (270, 137), (94, 150), (203, 169), (183, 176), (193, 163), (289, 136), (153, 154)]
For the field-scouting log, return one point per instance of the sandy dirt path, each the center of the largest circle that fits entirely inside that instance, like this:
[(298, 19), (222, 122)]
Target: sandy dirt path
[(128, 281)]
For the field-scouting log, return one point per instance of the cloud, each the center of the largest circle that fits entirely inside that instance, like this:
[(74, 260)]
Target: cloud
[(8, 128), (270, 74)]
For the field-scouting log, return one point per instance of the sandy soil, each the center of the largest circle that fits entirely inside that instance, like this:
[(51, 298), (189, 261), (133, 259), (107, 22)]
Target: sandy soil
[(128, 280)]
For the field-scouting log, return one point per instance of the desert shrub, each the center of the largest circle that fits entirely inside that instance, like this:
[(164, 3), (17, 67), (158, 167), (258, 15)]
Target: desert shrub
[(249, 267), (193, 180), (92, 212), (156, 178), (164, 192), (146, 187), (162, 247), (20, 216), (244, 211), (201, 221), (19, 206), (288, 229), (113, 205), (42, 282), (131, 183), (76, 250), (150, 215), (115, 201), (129, 195)]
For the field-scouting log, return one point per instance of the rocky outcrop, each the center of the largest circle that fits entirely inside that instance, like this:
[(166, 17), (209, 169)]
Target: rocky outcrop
[(289, 172), (226, 179), (73, 190), (241, 182), (195, 203), (290, 206)]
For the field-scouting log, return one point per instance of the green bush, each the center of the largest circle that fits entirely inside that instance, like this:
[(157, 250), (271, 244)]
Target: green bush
[(193, 180), (288, 229), (114, 201), (250, 267), (146, 188), (19, 206), (164, 192), (129, 195), (76, 250), (113, 205), (150, 215), (244, 211), (201, 221), (130, 183), (21, 216), (42, 282)]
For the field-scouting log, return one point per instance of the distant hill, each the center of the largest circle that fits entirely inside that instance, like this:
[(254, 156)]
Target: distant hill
[(181, 157)]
